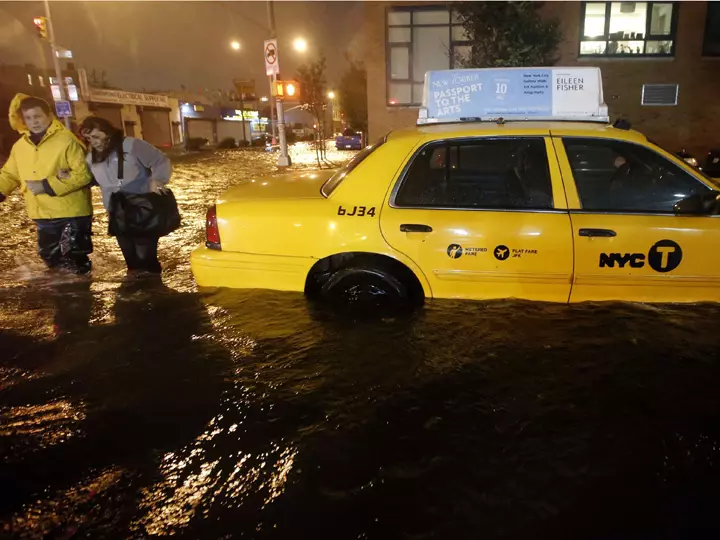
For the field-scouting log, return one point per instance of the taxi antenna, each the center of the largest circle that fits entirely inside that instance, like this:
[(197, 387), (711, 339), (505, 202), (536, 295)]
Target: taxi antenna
[(622, 123)]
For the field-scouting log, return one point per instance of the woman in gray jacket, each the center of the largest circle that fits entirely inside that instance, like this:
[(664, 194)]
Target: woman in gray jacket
[(145, 169)]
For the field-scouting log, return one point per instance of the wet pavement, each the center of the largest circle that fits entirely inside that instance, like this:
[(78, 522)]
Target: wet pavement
[(136, 409)]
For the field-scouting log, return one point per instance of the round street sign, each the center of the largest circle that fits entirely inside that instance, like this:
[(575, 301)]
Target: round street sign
[(270, 53), (272, 62)]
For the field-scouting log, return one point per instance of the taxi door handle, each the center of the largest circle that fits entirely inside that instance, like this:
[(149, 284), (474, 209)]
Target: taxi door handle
[(414, 227), (597, 232)]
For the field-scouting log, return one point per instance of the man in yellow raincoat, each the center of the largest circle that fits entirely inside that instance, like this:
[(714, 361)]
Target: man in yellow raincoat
[(48, 166)]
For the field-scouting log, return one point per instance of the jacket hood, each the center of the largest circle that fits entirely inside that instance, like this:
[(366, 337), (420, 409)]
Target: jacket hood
[(15, 114)]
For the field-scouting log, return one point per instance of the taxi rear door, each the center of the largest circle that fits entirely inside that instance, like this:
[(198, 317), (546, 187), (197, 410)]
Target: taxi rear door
[(484, 217), (629, 244)]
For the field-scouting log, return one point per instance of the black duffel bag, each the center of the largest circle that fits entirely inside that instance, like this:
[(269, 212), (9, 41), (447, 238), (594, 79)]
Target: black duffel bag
[(143, 214), (153, 214)]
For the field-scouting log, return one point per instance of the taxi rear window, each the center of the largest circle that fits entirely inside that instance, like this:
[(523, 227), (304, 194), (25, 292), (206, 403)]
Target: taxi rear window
[(335, 180)]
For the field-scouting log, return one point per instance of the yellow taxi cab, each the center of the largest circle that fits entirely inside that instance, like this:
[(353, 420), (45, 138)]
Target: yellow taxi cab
[(512, 185)]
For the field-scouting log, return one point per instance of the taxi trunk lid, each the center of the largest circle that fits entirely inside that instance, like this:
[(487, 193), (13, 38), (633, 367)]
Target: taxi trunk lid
[(295, 185)]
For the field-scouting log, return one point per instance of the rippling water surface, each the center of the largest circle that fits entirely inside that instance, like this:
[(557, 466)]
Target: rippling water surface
[(137, 410)]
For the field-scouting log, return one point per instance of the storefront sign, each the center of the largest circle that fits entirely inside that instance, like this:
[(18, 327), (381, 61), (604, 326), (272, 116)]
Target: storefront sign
[(127, 98), (512, 93), (237, 115)]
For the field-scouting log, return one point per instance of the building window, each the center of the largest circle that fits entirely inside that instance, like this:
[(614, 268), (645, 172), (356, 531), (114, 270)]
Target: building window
[(711, 43), (41, 80), (420, 40), (29, 79), (628, 29)]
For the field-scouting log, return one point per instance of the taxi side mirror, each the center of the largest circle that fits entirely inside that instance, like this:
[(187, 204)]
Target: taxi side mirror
[(699, 204)]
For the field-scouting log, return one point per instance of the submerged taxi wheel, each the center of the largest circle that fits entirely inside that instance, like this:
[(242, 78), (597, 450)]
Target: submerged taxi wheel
[(365, 285)]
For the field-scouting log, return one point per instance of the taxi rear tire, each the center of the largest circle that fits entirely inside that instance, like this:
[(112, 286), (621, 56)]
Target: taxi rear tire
[(364, 278), (365, 285), (370, 284)]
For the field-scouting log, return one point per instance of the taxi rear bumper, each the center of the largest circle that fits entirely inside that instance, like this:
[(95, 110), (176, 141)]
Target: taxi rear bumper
[(215, 268)]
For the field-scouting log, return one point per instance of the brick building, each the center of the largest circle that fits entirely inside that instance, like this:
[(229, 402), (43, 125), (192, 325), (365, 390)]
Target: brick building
[(660, 61)]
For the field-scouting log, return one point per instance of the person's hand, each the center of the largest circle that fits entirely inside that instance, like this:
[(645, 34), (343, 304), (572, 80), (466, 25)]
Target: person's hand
[(63, 174), (36, 186), (156, 186)]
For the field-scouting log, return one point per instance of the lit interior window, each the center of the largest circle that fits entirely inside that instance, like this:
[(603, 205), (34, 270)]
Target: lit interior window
[(627, 20), (595, 20)]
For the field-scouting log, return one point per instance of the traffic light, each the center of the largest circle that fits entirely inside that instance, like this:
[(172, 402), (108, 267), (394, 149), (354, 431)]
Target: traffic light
[(287, 90), (41, 25)]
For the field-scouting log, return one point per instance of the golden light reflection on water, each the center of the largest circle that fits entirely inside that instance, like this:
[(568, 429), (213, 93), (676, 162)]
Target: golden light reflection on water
[(192, 482), (39, 519), (10, 376), (29, 428)]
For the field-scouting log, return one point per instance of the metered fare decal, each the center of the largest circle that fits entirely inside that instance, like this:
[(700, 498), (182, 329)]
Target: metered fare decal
[(664, 256), (501, 252)]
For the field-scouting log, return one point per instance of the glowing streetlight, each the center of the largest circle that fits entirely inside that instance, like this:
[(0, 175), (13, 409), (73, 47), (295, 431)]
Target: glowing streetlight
[(235, 45), (300, 45), (331, 95), (264, 98)]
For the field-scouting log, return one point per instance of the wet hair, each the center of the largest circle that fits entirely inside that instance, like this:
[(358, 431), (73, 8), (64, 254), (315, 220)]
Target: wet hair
[(114, 134), (33, 102)]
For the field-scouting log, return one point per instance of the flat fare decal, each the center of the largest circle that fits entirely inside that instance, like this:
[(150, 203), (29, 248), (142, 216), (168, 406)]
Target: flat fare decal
[(501, 252)]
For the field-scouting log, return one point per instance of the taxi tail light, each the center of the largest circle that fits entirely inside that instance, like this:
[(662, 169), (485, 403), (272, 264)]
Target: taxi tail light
[(212, 233)]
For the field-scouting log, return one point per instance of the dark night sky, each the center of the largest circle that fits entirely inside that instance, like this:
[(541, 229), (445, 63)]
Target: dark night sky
[(162, 45)]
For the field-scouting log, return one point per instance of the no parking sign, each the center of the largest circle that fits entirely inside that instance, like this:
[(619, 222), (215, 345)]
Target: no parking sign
[(272, 66)]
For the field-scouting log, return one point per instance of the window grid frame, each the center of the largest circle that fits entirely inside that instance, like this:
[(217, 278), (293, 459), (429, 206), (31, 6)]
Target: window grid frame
[(672, 36), (409, 46)]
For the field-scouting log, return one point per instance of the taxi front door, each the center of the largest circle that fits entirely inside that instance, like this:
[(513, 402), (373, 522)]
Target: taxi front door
[(484, 218), (629, 245)]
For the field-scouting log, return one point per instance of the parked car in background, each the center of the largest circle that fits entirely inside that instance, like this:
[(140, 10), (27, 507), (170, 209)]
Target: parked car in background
[(688, 158), (712, 163), (349, 140)]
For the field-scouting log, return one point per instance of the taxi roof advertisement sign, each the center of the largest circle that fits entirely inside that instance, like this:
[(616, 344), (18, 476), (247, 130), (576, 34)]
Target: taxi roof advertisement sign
[(513, 93)]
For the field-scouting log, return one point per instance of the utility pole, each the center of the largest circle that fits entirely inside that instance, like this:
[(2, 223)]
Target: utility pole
[(283, 158), (242, 117), (56, 59), (272, 78)]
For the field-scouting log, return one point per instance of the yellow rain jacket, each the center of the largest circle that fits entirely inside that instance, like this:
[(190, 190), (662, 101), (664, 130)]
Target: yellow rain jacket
[(58, 149)]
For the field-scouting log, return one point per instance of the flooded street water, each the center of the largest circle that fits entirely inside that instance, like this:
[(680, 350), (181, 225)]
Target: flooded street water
[(133, 411)]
